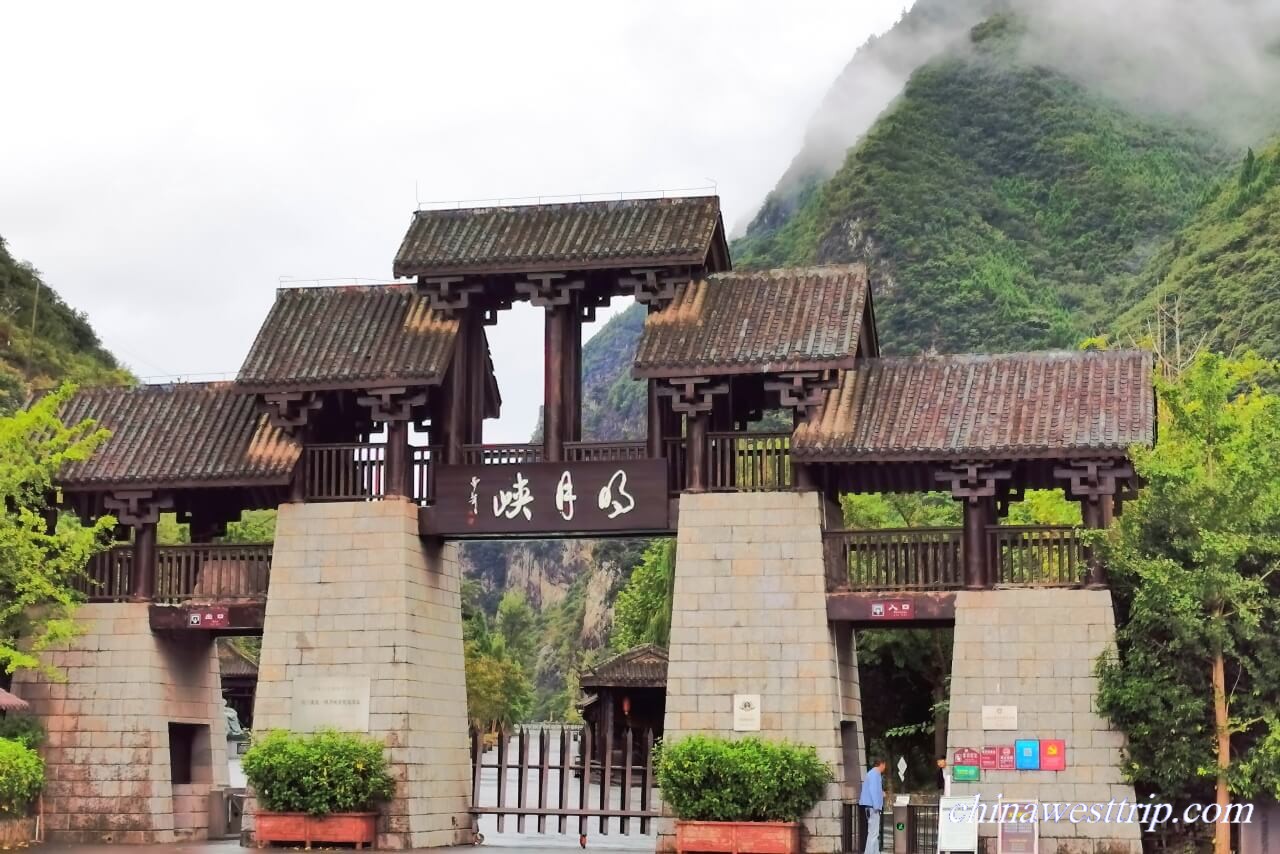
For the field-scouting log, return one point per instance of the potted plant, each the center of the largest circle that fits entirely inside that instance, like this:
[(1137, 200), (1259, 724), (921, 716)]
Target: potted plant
[(741, 796), (317, 788), (21, 779)]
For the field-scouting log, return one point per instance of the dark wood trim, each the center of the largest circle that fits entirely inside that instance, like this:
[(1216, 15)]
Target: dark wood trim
[(553, 390), (977, 515), (1006, 456), (368, 384), (135, 507), (690, 395), (517, 267), (142, 584), (110, 486), (664, 371), (242, 618), (803, 392), (654, 419), (929, 609), (696, 454), (290, 410)]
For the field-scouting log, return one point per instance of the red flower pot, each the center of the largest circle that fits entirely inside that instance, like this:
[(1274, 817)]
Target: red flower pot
[(737, 837), (348, 828)]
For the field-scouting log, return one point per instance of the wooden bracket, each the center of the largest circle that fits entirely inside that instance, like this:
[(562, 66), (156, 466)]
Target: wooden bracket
[(290, 410), (137, 507), (973, 481), (802, 390), (588, 304), (655, 287), (393, 404), (1091, 479), (449, 294), (547, 290), (492, 308), (691, 395)]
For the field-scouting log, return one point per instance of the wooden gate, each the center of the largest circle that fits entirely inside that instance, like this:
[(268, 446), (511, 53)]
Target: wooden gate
[(557, 772)]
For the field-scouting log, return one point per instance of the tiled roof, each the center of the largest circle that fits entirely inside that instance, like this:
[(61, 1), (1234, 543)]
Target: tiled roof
[(12, 703), (1013, 406), (178, 435), (639, 667), (352, 337), (233, 662), (763, 322), (582, 235)]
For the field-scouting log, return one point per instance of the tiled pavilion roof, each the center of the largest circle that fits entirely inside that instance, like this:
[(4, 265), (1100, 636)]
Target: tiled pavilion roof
[(643, 666), (1013, 406), (758, 322)]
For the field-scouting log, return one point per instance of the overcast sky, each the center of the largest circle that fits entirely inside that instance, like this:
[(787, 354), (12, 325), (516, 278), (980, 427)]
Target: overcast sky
[(166, 169)]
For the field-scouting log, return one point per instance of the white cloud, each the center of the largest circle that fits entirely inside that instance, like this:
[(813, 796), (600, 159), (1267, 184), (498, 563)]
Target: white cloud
[(165, 164)]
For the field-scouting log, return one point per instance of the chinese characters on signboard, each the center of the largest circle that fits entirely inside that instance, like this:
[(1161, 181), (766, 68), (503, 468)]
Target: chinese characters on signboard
[(892, 609), (626, 495)]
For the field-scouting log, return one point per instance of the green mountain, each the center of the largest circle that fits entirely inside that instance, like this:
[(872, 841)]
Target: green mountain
[(42, 339), (1219, 277), (1001, 205)]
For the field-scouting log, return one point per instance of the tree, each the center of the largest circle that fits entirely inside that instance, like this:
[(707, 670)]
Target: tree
[(517, 623), (498, 691), (37, 566), (642, 611), (1196, 673)]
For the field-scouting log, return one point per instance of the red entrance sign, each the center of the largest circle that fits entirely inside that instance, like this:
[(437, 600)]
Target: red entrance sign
[(1053, 754), (1006, 758), (990, 758), (208, 618), (966, 756), (892, 609)]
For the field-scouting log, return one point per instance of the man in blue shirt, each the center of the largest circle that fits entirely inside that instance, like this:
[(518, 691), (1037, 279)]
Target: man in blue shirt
[(872, 802)]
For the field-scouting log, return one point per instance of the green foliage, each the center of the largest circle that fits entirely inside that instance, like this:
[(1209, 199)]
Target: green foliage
[(319, 774), (613, 404), (498, 691), (715, 779), (516, 623), (1194, 564), (21, 777), (64, 346), (23, 729), (1001, 206), (37, 568), (642, 610), (1221, 269)]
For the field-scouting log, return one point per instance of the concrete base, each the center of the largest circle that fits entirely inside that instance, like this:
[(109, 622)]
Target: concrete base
[(355, 593), (108, 755), (1036, 650), (750, 617)]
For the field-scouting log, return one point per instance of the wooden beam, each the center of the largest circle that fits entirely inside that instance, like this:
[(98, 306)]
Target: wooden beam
[(927, 609), (553, 432)]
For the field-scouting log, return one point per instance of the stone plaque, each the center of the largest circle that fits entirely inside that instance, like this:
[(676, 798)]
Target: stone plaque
[(330, 702), (1000, 717), (746, 712)]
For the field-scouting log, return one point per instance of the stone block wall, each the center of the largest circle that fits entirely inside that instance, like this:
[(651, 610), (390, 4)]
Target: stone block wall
[(750, 617), (1036, 649), (107, 754), (355, 592)]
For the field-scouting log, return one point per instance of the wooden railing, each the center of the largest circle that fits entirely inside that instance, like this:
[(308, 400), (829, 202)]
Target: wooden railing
[(604, 452), (423, 471), (933, 558), (674, 451), (344, 472), (895, 559), (492, 455), (1039, 555), (107, 576), (749, 462), (212, 573)]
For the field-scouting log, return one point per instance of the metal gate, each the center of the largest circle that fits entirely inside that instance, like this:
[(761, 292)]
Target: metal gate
[(557, 772)]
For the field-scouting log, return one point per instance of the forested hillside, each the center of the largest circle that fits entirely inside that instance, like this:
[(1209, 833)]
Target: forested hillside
[(42, 339)]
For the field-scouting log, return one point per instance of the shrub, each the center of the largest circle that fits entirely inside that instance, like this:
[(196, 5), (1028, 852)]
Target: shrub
[(715, 779), (22, 729), (21, 777), (328, 772)]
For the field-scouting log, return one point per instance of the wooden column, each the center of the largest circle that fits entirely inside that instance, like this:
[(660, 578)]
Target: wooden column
[(977, 573), (553, 385), (654, 431), (456, 411), (694, 397), (395, 407), (977, 484), (397, 461), (696, 452), (477, 369), (572, 374), (142, 583), (1095, 484), (140, 510)]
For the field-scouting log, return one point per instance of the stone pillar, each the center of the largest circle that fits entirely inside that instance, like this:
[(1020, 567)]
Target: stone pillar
[(356, 593), (108, 755), (1036, 650), (750, 617)]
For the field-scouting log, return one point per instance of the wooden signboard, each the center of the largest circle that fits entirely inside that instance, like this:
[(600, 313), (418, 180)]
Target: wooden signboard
[(551, 498)]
